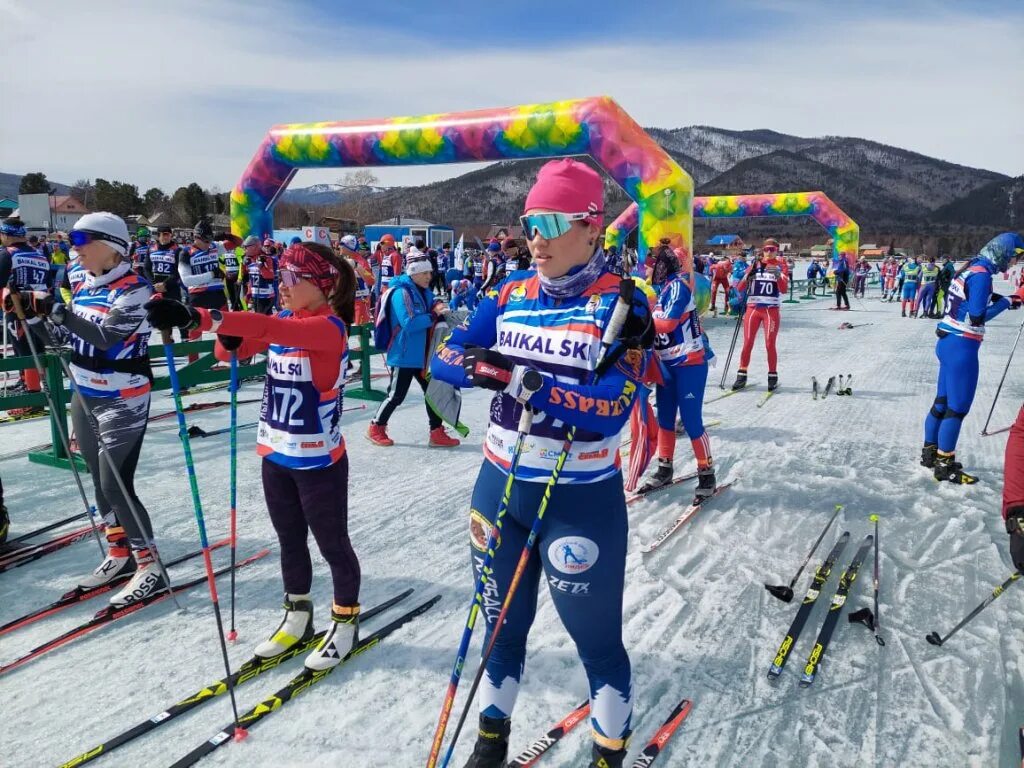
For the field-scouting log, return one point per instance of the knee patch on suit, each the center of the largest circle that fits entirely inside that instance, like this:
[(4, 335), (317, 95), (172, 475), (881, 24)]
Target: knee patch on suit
[(940, 402)]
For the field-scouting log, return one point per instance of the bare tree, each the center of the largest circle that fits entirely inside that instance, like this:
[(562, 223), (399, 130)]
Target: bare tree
[(361, 177)]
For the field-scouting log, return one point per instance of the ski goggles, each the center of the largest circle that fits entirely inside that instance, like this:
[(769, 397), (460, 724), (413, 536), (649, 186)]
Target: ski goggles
[(80, 237), (291, 277), (551, 225)]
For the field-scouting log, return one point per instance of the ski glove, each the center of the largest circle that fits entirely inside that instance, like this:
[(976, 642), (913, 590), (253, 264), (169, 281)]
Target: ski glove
[(167, 314), (1014, 523), (492, 370), (638, 328), (33, 303)]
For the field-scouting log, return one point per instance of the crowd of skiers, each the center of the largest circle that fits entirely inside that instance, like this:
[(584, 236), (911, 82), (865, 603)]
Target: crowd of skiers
[(536, 335)]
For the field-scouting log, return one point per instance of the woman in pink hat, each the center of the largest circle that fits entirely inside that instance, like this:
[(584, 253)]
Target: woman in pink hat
[(535, 340)]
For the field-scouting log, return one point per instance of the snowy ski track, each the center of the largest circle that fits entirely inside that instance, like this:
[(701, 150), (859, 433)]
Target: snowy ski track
[(698, 621)]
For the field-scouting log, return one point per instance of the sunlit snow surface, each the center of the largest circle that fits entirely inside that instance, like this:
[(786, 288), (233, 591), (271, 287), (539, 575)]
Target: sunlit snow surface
[(697, 620)]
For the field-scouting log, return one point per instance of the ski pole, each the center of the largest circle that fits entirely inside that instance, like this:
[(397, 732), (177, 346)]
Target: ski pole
[(934, 638), (525, 422), (57, 418), (611, 333), (732, 346), (197, 505), (984, 430), (785, 593), (864, 615), (233, 472)]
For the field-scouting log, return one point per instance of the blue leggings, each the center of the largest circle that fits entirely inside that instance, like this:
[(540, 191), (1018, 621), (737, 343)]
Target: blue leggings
[(926, 298), (958, 380), (683, 391), (581, 554)]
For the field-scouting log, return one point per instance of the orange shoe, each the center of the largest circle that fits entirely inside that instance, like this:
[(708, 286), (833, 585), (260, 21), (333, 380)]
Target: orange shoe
[(441, 439), (378, 435)]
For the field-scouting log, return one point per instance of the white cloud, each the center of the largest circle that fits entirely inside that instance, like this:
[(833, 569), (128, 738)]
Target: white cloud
[(161, 94)]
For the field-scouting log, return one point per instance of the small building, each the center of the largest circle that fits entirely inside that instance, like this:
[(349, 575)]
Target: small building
[(409, 230), (50, 213), (7, 206)]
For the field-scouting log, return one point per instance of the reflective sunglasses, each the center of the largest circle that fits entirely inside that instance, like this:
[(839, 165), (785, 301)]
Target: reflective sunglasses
[(80, 237), (550, 225), (290, 278)]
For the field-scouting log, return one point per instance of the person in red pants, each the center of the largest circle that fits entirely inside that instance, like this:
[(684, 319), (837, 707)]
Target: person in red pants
[(720, 272), (766, 282), (1013, 491)]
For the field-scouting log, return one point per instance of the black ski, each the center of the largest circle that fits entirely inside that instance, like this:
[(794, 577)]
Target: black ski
[(110, 614), (814, 387), (45, 528), (646, 490), (297, 685), (79, 595), (250, 669), (835, 608), (30, 554), (828, 386), (536, 750), (804, 611)]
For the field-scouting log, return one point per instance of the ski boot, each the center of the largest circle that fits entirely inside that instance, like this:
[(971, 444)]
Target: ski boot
[(904, 313), (119, 561), (603, 757), (947, 468), (929, 453), (378, 435), (662, 476), (339, 640), (148, 580), (741, 380), (705, 484), (441, 439), (773, 381), (296, 627), (491, 747)]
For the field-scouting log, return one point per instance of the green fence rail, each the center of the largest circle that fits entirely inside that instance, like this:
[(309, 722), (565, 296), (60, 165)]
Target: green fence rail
[(204, 369)]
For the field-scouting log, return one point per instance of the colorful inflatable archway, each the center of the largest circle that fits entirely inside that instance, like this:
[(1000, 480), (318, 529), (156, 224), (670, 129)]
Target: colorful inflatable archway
[(842, 229), (661, 190)]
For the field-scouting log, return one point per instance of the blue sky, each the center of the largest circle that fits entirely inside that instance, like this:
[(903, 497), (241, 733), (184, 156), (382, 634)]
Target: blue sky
[(172, 92)]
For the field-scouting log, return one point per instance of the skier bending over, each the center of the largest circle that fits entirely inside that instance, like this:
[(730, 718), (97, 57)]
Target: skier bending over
[(536, 341), (970, 306)]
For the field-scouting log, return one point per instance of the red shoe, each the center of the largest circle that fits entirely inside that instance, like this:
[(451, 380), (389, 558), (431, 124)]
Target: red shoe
[(378, 435), (441, 439)]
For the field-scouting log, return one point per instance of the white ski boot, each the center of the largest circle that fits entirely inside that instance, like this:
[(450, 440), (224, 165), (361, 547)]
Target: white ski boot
[(147, 581), (113, 566), (339, 640), (296, 627)]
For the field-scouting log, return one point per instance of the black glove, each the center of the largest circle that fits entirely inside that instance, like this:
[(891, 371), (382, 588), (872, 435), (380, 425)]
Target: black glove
[(33, 304), (230, 343), (1014, 521), (167, 314), (638, 329), (995, 297), (487, 368)]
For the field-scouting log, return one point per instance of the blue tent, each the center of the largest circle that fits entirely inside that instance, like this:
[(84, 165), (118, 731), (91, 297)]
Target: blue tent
[(723, 240)]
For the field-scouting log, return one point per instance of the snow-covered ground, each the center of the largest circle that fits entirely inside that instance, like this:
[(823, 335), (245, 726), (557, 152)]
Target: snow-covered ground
[(698, 621)]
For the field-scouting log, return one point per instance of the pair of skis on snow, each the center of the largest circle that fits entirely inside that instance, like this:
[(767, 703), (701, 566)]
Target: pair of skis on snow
[(729, 393), (844, 389), (818, 582), (687, 514), (654, 747), (251, 669)]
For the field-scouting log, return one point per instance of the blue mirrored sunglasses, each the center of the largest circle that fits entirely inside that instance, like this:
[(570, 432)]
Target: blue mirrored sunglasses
[(549, 225)]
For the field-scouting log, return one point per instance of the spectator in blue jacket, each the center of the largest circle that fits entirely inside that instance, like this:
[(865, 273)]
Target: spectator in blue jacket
[(412, 311)]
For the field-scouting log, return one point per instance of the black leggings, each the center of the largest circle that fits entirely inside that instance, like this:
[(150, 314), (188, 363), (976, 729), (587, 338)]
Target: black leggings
[(304, 500), (841, 294), (401, 378)]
